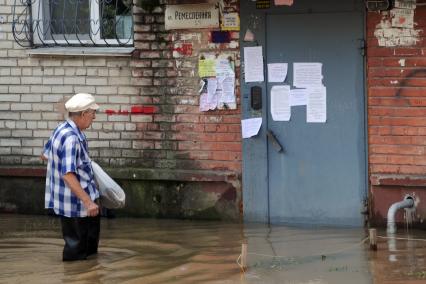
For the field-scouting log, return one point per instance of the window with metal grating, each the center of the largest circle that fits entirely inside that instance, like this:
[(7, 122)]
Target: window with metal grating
[(73, 23)]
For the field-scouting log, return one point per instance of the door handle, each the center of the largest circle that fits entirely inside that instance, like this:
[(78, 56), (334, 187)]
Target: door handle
[(275, 143)]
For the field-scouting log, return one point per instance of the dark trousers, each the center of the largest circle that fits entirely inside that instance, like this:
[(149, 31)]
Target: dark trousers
[(81, 237)]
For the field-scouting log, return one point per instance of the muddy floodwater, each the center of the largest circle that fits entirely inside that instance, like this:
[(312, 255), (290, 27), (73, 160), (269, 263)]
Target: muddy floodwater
[(178, 251)]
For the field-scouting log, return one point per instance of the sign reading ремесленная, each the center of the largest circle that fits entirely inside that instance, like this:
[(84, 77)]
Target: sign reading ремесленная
[(191, 16)]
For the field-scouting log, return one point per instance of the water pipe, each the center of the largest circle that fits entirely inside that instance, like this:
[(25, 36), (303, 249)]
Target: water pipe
[(407, 202)]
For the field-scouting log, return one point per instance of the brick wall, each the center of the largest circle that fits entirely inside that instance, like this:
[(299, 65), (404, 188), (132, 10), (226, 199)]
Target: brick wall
[(179, 135), (173, 161), (176, 136), (396, 81)]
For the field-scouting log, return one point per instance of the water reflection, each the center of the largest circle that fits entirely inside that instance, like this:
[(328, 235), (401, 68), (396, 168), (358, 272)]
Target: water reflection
[(177, 251)]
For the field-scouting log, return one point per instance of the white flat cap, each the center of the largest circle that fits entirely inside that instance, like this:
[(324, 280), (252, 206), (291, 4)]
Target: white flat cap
[(81, 102)]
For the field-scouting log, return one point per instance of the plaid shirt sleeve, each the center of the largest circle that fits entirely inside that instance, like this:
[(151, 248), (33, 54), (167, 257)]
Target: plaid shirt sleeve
[(68, 155)]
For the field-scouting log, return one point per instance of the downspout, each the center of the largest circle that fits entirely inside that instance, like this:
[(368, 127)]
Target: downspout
[(408, 202)]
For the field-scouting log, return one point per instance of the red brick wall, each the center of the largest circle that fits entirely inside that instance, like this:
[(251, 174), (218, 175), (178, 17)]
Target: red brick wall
[(178, 135), (396, 84)]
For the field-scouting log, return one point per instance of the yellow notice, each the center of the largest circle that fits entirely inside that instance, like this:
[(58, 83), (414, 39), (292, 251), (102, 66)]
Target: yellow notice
[(207, 68)]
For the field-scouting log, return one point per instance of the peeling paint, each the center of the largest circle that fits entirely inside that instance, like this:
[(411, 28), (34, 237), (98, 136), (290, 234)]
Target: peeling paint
[(402, 63), (390, 32), (394, 82)]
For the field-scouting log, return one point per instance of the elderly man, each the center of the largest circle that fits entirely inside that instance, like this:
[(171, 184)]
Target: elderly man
[(70, 186)]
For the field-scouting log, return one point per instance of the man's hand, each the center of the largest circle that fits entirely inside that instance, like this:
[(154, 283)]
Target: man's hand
[(43, 157), (73, 183), (92, 208)]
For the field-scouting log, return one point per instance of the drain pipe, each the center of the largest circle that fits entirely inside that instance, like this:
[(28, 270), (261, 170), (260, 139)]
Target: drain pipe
[(408, 202)]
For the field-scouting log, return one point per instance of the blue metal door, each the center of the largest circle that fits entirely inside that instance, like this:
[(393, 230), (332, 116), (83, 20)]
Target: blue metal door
[(320, 177)]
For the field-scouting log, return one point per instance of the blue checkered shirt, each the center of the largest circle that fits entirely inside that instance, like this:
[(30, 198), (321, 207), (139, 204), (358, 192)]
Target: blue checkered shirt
[(67, 152)]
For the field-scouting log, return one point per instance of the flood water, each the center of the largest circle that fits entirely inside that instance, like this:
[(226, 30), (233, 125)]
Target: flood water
[(178, 251)]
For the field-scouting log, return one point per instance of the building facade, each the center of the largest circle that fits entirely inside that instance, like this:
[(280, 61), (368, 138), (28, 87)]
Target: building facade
[(175, 160)]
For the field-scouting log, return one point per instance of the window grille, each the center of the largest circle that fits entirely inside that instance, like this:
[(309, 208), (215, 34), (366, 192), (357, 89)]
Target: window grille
[(73, 22)]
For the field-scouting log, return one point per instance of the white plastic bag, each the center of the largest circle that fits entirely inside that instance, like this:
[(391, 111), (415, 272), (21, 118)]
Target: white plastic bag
[(112, 195)]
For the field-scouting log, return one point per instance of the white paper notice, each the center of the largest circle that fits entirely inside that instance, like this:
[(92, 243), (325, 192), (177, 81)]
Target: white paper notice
[(253, 64), (298, 97), (227, 96), (280, 103), (307, 74), (277, 72), (209, 99), (250, 127), (316, 109)]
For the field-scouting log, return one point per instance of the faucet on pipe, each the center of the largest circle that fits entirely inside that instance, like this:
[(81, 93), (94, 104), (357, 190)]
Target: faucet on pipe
[(408, 202)]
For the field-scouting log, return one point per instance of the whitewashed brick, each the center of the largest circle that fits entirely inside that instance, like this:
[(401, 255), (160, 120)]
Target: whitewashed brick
[(32, 142), (96, 125), (50, 124), (10, 98), (21, 124), (94, 62), (4, 106), (5, 133), (31, 116), (85, 89), (128, 90), (27, 71), (31, 98), (22, 151), (4, 89), (48, 71), (121, 118), (97, 81), (53, 81), (37, 151), (43, 125), (91, 135), (62, 89), (8, 62), (10, 160), (4, 71), (50, 62), (41, 89), (59, 71), (74, 80), (142, 118), (119, 126), (107, 90), (11, 124), (42, 133), (10, 142), (42, 107), (31, 160), (121, 144), (119, 99), (31, 80), (109, 126), (38, 72), (9, 115), (52, 116), (31, 125), (5, 151), (73, 62), (109, 135), (19, 89), (4, 80), (130, 126), (98, 144), (16, 71), (22, 133), (52, 98), (20, 106)]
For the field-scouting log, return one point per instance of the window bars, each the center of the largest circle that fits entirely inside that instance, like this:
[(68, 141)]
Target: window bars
[(73, 22)]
